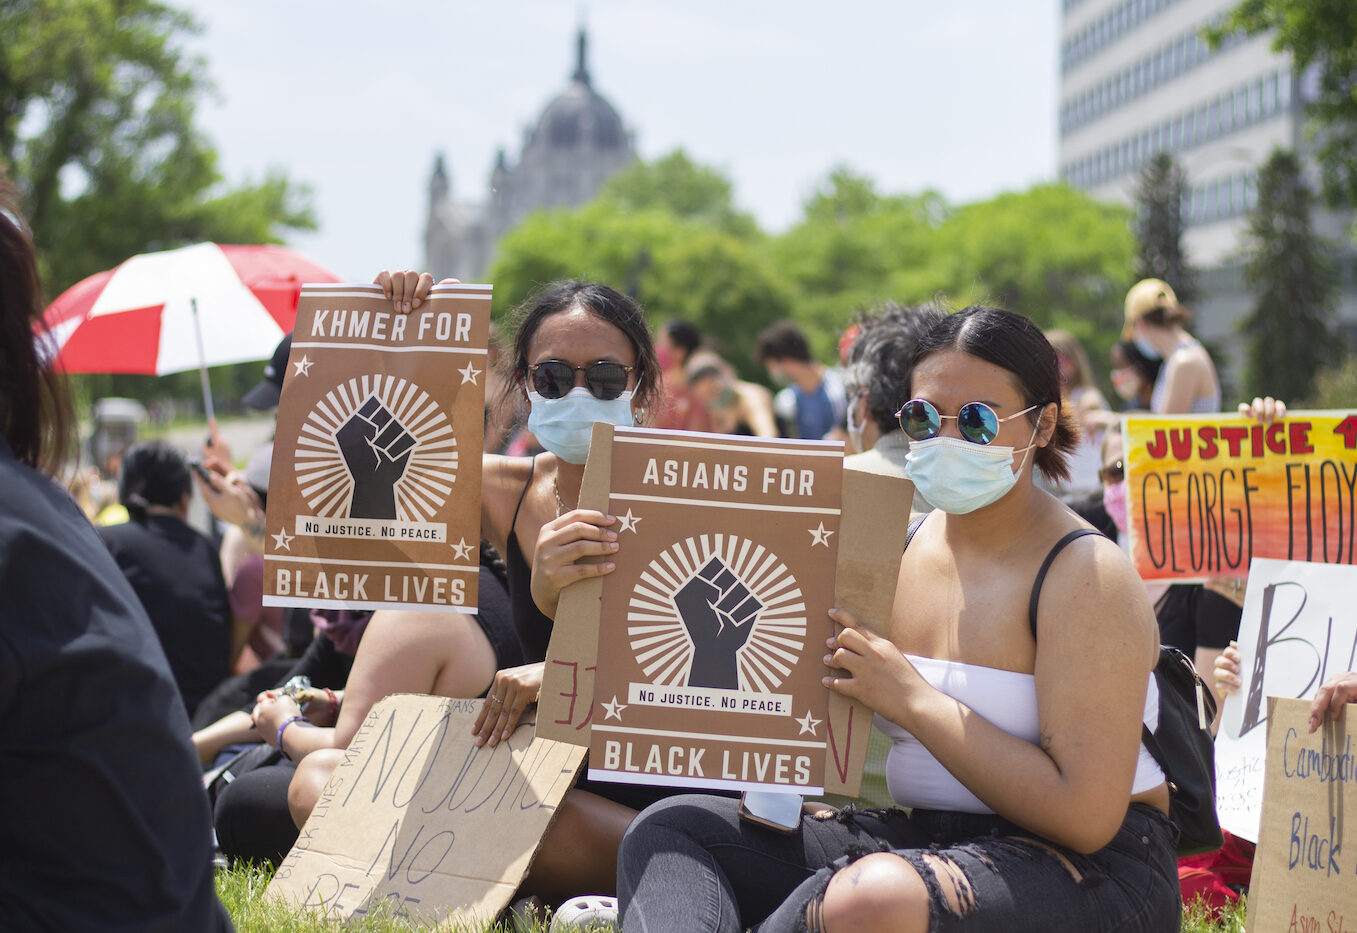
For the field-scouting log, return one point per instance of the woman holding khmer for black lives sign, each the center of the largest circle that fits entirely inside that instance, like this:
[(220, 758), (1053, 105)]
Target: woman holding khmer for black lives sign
[(1016, 727), (105, 822)]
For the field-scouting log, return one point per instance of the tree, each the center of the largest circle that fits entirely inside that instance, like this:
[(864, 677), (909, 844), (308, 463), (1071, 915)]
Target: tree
[(686, 189), (1051, 253), (1288, 333), (1323, 34), (849, 245), (675, 267), (1159, 227), (96, 128)]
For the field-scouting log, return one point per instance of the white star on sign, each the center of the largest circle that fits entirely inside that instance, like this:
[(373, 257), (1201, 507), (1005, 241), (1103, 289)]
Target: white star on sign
[(282, 539), (808, 724), (614, 709), (821, 535), (462, 549), (469, 374), (629, 522), (303, 366)]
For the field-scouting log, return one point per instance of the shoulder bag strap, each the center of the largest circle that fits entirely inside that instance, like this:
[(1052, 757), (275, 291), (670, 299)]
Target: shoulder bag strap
[(1046, 566)]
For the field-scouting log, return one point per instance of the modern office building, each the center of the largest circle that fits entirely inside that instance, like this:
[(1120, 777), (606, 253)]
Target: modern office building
[(1137, 78), (575, 145)]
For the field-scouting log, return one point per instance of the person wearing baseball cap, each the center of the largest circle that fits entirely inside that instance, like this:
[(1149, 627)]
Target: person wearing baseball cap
[(266, 394), (1187, 381)]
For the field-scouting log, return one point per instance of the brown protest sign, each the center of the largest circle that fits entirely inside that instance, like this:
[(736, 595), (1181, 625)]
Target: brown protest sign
[(873, 523), (713, 625), (1303, 871), (419, 821), (1208, 493), (374, 492)]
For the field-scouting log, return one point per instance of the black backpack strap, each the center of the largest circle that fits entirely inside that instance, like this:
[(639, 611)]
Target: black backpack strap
[(913, 529), (1046, 566)]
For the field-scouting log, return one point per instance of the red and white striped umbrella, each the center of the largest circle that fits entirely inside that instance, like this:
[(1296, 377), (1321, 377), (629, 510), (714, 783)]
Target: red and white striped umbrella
[(139, 317)]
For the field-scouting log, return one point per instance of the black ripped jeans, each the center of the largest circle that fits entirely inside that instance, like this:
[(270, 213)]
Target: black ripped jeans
[(690, 863)]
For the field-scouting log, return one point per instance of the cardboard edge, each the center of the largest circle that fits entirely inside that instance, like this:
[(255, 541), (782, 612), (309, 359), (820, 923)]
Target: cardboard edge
[(574, 636), (874, 521)]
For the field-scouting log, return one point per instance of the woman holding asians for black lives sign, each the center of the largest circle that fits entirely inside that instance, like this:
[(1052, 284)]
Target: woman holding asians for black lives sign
[(105, 822), (1016, 726), (581, 354)]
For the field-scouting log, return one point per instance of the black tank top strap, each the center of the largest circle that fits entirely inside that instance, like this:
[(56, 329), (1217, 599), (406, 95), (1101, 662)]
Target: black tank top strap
[(532, 467), (1046, 566)]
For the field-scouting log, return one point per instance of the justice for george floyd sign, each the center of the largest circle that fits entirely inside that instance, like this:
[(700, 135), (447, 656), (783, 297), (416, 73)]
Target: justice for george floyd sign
[(374, 492), (713, 626), (1207, 494)]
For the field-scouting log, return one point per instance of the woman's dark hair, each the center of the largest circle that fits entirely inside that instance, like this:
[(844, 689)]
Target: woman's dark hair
[(1146, 368), (35, 414), (683, 334), (153, 473), (1012, 342), (879, 361), (604, 303)]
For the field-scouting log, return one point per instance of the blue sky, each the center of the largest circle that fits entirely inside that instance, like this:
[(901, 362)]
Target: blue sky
[(355, 99)]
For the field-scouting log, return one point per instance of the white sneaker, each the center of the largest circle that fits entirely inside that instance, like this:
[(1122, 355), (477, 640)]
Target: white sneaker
[(587, 912)]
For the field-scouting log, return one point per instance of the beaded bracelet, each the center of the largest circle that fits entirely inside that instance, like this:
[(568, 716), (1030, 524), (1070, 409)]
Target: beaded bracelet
[(286, 722)]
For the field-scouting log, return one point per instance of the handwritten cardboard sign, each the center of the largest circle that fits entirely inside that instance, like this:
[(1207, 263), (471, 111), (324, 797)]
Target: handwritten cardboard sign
[(374, 492), (1207, 494), (1303, 873), (1297, 631), (419, 821), (713, 625), (872, 526)]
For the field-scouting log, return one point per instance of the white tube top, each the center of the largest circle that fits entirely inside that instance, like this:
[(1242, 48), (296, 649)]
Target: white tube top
[(1007, 699)]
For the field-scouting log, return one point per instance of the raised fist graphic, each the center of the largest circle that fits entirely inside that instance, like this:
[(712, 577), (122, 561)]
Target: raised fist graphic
[(718, 611), (376, 449)]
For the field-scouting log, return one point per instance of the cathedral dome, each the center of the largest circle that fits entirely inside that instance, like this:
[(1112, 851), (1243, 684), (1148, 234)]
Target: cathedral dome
[(580, 116)]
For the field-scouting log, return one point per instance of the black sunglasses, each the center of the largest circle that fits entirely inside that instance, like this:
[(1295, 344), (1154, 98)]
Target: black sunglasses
[(976, 421), (554, 378), (1113, 473)]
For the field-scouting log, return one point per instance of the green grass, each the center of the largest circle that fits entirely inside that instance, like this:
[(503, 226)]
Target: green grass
[(242, 891)]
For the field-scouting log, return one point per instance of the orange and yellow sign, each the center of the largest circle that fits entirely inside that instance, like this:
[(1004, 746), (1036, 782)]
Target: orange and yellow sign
[(1207, 494)]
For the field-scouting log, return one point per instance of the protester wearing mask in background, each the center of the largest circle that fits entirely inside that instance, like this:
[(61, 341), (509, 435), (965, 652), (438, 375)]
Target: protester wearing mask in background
[(1155, 322), (1133, 375), (675, 344), (735, 406), (812, 402), (877, 382), (173, 569)]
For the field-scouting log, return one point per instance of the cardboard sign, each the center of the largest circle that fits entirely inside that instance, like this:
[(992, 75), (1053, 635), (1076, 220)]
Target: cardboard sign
[(375, 488), (873, 523), (1207, 494), (714, 623), (1297, 631), (419, 821), (1303, 872)]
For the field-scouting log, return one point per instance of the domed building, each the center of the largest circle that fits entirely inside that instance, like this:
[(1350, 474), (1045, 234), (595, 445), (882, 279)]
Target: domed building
[(577, 143)]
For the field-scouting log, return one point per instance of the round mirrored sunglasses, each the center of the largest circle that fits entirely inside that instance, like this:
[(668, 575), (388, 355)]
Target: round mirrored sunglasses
[(976, 421), (605, 379)]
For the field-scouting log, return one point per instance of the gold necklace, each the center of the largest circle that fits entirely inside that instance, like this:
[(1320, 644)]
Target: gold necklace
[(560, 505)]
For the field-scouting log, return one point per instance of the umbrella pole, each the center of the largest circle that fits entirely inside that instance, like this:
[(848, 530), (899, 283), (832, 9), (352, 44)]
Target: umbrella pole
[(202, 370)]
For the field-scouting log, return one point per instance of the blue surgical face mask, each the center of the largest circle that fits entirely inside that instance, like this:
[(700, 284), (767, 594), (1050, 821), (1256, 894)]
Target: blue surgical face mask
[(958, 476), (564, 425), (854, 429), (1147, 349)]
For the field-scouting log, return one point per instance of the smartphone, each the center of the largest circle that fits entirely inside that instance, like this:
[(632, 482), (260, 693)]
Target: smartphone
[(777, 811), (203, 472)]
